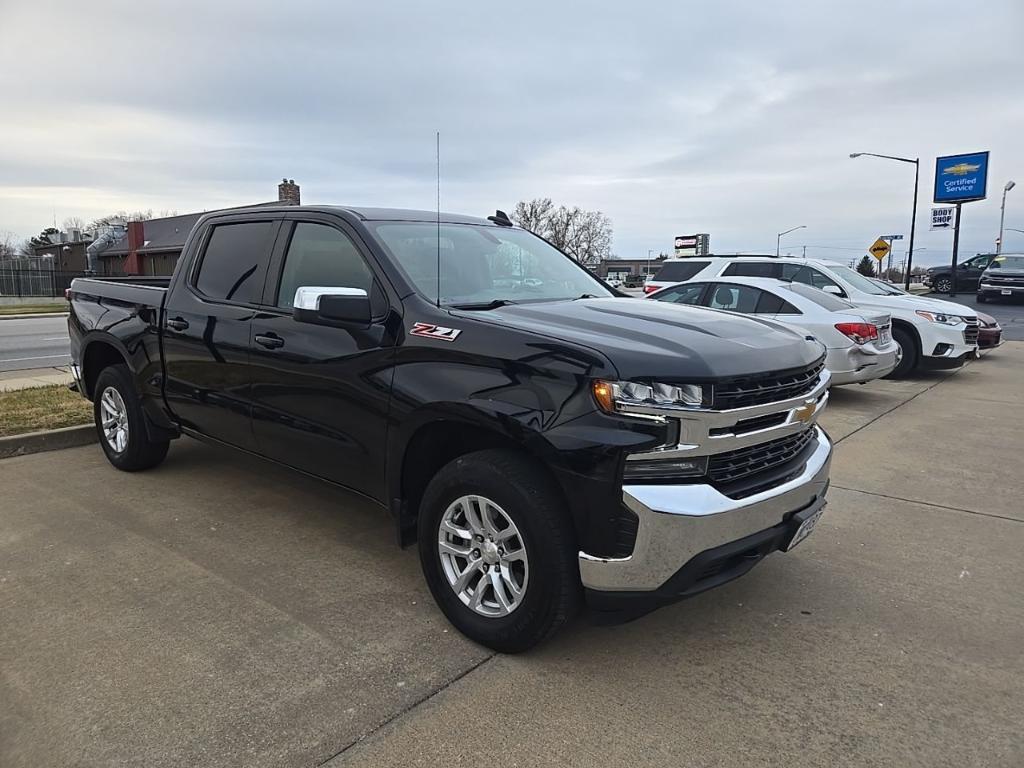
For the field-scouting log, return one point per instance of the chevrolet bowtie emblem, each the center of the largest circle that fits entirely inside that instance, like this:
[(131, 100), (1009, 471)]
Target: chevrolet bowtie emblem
[(804, 413)]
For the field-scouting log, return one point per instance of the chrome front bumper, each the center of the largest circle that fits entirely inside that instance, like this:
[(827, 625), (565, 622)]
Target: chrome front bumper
[(678, 522)]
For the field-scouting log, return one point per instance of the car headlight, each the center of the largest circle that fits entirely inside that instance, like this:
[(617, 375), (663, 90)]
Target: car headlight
[(624, 396), (940, 317)]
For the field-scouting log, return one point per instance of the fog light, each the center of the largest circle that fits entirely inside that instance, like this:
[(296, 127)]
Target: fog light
[(665, 469)]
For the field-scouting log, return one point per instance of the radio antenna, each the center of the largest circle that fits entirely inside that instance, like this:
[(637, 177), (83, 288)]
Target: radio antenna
[(437, 157)]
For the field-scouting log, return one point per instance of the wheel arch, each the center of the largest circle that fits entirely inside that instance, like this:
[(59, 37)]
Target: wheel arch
[(99, 352), (438, 438)]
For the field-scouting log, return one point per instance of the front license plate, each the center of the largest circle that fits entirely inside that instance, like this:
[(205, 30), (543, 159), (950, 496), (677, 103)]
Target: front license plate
[(805, 528), (1006, 292), (884, 336)]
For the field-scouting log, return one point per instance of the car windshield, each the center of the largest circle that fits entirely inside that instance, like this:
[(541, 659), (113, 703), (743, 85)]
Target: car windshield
[(1007, 262), (891, 290), (484, 266), (855, 279)]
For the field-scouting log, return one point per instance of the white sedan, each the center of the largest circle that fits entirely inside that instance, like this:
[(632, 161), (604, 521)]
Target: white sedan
[(858, 341)]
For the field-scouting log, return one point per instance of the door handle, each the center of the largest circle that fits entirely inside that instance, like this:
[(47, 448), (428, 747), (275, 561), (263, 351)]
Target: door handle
[(177, 324), (270, 341)]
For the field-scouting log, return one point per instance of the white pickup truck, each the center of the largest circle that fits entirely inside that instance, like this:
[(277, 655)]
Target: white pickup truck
[(931, 333)]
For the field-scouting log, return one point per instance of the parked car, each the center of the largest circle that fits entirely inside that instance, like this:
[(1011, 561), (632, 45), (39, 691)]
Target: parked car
[(931, 333), (859, 342), (545, 445), (673, 271), (990, 335), (1003, 279), (968, 273), (633, 281)]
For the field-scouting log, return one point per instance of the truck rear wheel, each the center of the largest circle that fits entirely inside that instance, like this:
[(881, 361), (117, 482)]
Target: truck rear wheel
[(120, 423), (497, 550)]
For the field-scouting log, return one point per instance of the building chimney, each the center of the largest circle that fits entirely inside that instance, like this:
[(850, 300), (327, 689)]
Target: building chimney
[(136, 240), (288, 192)]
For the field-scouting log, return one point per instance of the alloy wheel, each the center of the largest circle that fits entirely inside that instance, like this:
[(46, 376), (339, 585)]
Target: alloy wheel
[(483, 556), (114, 419)]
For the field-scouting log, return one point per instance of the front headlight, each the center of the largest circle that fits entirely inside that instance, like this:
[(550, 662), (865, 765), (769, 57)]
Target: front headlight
[(940, 317), (622, 396)]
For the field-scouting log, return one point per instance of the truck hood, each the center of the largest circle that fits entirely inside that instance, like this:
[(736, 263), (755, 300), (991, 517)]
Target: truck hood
[(912, 303), (655, 340), (1003, 272)]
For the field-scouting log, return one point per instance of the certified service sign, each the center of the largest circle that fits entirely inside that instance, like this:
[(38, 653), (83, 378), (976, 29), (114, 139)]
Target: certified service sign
[(961, 178)]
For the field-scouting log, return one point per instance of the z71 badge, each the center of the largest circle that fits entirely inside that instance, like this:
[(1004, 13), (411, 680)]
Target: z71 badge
[(431, 331)]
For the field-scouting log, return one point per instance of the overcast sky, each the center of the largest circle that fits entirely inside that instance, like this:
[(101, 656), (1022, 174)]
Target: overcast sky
[(733, 118)]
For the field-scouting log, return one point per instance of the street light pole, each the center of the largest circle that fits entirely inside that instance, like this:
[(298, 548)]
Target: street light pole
[(1002, 214), (648, 276), (913, 216), (778, 239)]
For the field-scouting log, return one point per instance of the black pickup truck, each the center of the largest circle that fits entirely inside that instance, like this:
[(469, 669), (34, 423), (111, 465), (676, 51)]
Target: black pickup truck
[(545, 440)]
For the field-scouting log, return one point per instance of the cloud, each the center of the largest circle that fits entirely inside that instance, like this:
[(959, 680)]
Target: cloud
[(730, 118)]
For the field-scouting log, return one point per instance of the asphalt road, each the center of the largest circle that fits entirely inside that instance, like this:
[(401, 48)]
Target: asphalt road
[(1009, 313), (36, 342), (220, 611)]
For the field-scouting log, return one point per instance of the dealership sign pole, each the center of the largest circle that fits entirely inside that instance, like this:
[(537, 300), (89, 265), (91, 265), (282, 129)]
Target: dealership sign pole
[(960, 179)]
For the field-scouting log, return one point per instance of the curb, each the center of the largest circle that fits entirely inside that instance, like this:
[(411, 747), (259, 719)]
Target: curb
[(28, 315), (48, 440)]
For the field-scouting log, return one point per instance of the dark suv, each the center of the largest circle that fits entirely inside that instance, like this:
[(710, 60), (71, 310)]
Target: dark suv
[(968, 273)]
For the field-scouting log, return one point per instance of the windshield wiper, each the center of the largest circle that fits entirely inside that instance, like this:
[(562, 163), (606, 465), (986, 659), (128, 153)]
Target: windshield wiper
[(586, 296), (482, 305)]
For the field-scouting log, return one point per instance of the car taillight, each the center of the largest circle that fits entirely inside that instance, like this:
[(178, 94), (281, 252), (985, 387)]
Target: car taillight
[(650, 288), (861, 333)]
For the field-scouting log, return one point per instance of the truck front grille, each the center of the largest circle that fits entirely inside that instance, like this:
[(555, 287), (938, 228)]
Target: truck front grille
[(756, 462), (765, 388)]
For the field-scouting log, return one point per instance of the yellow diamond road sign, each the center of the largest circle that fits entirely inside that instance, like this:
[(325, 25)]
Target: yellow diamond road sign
[(879, 249)]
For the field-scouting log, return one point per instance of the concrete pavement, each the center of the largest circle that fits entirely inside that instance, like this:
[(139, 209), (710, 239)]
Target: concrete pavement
[(220, 611), (35, 342), (34, 377)]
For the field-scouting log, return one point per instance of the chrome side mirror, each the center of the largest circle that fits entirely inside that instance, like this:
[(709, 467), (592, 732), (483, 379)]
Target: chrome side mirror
[(329, 305)]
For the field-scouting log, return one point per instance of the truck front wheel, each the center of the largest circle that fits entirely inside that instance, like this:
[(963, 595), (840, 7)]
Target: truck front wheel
[(120, 423), (497, 550)]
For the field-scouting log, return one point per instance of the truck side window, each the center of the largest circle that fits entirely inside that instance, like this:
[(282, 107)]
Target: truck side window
[(234, 263), (324, 256)]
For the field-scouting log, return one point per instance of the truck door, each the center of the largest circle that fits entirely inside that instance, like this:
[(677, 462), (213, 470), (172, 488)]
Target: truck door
[(207, 325), (321, 393)]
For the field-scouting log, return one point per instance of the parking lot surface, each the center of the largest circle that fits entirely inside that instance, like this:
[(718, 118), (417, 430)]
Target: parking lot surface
[(220, 611)]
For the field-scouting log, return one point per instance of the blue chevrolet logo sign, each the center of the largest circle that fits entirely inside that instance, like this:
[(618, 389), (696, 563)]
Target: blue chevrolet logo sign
[(961, 178)]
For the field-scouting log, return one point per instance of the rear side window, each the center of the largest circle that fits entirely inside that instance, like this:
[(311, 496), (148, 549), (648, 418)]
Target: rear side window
[(234, 264), (736, 298), (679, 271), (770, 304), (798, 273), (682, 294), (752, 269), (319, 255)]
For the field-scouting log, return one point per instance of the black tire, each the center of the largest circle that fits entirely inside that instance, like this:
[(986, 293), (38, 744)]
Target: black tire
[(908, 362), (529, 498), (942, 284), (139, 452), (981, 298)]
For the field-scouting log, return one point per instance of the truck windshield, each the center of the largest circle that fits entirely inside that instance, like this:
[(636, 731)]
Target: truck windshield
[(1007, 262), (484, 266)]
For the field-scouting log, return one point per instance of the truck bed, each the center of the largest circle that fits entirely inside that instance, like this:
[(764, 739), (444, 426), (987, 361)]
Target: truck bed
[(148, 291)]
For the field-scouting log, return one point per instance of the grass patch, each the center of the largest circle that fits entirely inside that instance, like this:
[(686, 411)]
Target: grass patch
[(38, 408), (33, 309)]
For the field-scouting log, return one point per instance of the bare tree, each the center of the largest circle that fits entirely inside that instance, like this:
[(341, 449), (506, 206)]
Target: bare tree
[(73, 222), (105, 221), (8, 245), (584, 235)]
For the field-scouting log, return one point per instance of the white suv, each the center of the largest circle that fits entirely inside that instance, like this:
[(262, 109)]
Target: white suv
[(931, 333)]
